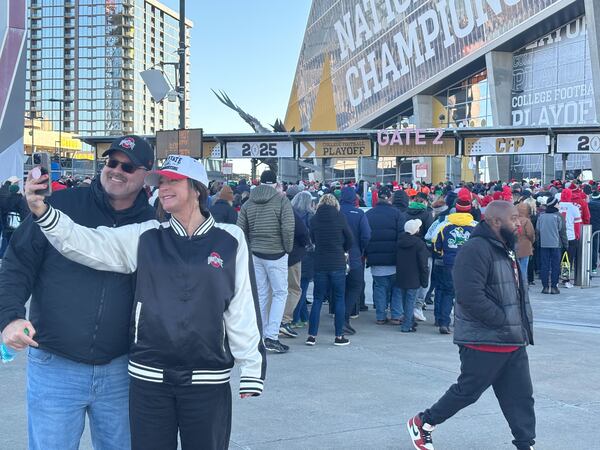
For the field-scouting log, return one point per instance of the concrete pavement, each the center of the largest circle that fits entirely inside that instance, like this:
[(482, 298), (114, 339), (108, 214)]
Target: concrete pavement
[(359, 397)]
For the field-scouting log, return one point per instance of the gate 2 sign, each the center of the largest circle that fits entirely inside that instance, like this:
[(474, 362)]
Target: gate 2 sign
[(257, 149), (506, 145), (578, 143)]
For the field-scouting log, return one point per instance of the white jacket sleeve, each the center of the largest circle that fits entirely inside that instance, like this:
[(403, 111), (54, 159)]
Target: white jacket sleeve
[(242, 323), (102, 248)]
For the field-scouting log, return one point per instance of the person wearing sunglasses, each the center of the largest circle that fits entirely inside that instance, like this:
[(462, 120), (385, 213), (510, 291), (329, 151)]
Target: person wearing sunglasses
[(79, 317), (196, 308)]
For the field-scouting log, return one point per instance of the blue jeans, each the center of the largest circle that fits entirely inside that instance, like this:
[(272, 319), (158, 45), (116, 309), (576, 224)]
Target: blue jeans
[(384, 292), (59, 394), (523, 262), (301, 311), (444, 295), (409, 297), (323, 282), (550, 266)]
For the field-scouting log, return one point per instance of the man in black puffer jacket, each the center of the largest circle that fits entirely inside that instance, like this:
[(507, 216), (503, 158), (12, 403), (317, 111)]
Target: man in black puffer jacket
[(387, 223), (493, 326)]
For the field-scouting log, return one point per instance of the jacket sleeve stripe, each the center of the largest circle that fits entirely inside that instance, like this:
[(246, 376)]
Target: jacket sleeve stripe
[(242, 319)]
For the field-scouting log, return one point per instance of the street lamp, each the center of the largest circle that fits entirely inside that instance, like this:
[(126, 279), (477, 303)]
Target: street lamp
[(60, 128)]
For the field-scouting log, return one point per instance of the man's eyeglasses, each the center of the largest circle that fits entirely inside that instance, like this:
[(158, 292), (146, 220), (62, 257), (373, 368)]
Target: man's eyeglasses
[(125, 167)]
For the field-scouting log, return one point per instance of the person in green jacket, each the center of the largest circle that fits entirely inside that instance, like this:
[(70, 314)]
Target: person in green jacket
[(267, 220)]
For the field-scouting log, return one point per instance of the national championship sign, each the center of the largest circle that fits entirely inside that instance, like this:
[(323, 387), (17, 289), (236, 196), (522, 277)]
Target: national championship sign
[(336, 149), (414, 143), (506, 145), (282, 149), (578, 143)]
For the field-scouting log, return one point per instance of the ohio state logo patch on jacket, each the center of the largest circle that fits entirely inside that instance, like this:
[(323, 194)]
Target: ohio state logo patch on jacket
[(215, 260)]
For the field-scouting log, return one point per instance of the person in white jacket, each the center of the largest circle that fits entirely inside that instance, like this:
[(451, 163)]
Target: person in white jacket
[(195, 311)]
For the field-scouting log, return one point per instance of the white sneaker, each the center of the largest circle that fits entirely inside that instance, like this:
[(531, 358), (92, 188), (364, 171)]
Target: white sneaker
[(418, 313), (568, 285)]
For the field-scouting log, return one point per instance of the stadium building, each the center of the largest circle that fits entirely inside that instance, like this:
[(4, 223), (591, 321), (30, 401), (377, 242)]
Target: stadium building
[(472, 64)]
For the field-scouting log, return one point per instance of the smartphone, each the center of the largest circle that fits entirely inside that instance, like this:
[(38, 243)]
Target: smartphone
[(41, 160)]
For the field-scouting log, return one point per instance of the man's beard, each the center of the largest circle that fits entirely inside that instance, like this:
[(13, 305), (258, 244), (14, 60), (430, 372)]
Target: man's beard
[(509, 237)]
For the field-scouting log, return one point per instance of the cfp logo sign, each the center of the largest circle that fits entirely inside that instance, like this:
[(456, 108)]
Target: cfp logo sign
[(490, 146), (509, 145)]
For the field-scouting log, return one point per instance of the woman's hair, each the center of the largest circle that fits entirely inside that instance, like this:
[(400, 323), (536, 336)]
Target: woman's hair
[(202, 200), (330, 200), (303, 202)]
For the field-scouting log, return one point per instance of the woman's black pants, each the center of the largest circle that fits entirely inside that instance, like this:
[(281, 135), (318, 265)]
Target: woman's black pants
[(200, 413)]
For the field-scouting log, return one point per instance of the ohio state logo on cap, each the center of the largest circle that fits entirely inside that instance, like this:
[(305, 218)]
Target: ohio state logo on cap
[(127, 143)]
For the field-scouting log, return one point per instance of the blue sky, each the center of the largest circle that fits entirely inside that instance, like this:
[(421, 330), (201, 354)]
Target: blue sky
[(248, 49)]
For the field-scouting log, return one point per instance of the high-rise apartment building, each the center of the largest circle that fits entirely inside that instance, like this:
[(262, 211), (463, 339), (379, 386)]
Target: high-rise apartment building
[(84, 59)]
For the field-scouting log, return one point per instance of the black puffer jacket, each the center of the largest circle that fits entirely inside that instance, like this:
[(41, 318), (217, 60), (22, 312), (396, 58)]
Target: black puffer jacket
[(332, 237), (79, 313), (411, 266), (386, 224), (490, 309)]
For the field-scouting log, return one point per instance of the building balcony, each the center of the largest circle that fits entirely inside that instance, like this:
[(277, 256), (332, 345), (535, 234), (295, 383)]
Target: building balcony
[(36, 24), (69, 76), (69, 4), (69, 12), (37, 45), (35, 76), (128, 86), (36, 13), (127, 117), (69, 34), (69, 44), (35, 4)]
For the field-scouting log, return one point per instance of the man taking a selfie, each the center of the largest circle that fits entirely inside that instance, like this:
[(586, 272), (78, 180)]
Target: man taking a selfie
[(78, 327)]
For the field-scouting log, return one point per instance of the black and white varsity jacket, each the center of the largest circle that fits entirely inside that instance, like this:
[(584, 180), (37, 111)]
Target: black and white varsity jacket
[(195, 311)]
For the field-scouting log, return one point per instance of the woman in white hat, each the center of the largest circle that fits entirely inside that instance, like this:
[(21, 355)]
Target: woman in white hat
[(195, 310)]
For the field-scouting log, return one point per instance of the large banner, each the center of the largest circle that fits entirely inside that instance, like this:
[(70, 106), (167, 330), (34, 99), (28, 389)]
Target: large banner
[(506, 145), (13, 34), (379, 51), (552, 80)]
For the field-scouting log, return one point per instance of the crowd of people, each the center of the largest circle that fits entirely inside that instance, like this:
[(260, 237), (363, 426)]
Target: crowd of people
[(260, 245), (409, 237)]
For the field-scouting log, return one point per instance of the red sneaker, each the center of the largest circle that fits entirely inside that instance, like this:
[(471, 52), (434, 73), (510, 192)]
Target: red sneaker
[(421, 438)]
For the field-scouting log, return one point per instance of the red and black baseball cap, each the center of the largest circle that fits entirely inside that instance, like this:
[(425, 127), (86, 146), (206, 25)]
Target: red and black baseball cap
[(136, 148)]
